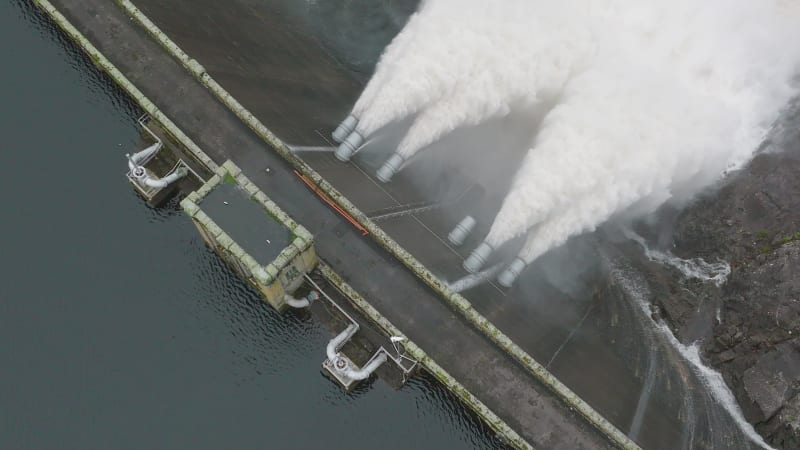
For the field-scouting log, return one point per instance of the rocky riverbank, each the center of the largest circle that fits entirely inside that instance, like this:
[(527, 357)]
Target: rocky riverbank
[(749, 326)]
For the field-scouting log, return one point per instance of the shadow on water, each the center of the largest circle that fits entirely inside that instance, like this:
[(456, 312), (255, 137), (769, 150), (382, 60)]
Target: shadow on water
[(120, 328)]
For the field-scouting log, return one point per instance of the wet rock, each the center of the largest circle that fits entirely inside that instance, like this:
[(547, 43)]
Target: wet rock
[(772, 381), (725, 356), (752, 221), (784, 428)]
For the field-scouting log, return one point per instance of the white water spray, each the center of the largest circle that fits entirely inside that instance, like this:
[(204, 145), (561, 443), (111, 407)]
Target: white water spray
[(475, 58), (637, 290), (532, 73), (417, 72), (696, 268), (644, 397), (474, 279), (652, 100), (386, 66)]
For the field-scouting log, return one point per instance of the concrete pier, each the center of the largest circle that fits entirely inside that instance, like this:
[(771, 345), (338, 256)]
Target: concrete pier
[(260, 241), (515, 396)]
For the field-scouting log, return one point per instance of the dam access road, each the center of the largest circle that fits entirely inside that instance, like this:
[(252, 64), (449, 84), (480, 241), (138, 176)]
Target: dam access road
[(482, 367)]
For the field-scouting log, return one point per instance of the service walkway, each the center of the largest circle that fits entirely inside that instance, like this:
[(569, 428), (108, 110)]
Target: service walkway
[(511, 392)]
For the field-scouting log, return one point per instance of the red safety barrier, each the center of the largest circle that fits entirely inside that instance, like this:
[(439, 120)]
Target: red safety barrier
[(331, 203)]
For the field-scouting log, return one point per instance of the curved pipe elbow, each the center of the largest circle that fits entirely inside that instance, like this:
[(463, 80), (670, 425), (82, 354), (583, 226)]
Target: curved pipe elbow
[(138, 157), (304, 302), (155, 183), (336, 343), (366, 371), (297, 303), (166, 181)]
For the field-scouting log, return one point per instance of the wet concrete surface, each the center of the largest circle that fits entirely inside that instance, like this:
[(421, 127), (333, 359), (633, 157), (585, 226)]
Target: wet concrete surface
[(247, 222), (485, 370), (230, 40)]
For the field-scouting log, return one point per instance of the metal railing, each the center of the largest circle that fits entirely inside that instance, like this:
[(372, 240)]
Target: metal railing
[(398, 358)]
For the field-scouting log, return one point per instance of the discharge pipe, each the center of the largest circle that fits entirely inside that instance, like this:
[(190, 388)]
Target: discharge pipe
[(341, 365), (512, 272), (137, 158), (304, 302), (474, 279), (390, 167), (344, 129), (347, 148), (336, 343), (141, 176), (161, 183), (461, 231), (364, 372), (478, 257)]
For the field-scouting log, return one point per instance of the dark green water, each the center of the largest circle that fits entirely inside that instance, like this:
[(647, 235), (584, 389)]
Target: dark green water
[(119, 329)]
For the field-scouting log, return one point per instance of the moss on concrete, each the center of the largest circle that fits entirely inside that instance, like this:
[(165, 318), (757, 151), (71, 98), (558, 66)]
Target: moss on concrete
[(102, 63)]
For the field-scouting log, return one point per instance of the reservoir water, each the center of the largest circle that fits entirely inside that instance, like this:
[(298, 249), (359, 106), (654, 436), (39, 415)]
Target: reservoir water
[(118, 327)]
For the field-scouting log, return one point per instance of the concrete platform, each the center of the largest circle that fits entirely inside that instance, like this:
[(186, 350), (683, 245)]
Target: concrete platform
[(246, 222)]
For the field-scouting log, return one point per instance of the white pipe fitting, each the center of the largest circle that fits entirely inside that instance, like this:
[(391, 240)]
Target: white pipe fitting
[(337, 342), (478, 258), (350, 145), (461, 231), (344, 129), (364, 372), (512, 272), (304, 302), (389, 168), (166, 181), (140, 156)]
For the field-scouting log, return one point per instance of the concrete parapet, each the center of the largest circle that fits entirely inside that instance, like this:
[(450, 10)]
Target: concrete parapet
[(189, 205), (193, 197), (309, 257), (106, 66), (231, 168)]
